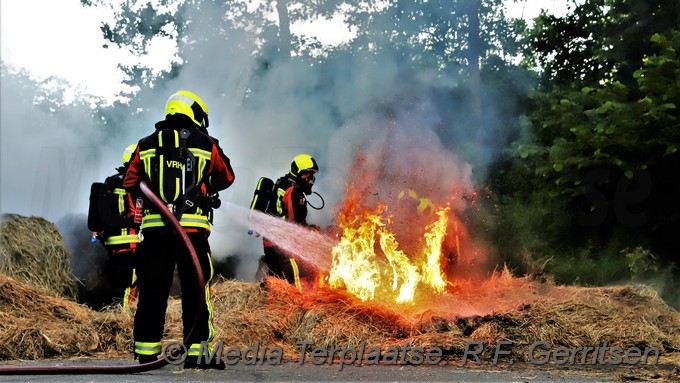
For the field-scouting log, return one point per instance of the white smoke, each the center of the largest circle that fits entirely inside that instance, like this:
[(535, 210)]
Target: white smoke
[(262, 118)]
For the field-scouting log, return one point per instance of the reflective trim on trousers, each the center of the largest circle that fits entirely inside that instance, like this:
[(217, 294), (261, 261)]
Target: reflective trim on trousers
[(208, 301), (147, 348), (130, 293), (195, 349), (296, 274)]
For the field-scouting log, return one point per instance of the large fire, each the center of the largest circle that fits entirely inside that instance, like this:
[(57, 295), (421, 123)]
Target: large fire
[(370, 263)]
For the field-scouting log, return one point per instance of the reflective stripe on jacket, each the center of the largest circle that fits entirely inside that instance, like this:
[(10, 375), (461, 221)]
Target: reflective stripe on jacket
[(213, 173)]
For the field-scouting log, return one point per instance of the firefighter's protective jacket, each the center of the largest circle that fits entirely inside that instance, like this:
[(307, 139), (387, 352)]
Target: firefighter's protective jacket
[(214, 173), (291, 203), (122, 238)]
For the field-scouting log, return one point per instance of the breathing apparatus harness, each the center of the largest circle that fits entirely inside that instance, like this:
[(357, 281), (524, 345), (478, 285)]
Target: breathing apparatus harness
[(323, 203)]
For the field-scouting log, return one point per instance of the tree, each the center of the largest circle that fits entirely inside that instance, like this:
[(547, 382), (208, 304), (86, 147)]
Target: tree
[(598, 40), (453, 53), (604, 127)]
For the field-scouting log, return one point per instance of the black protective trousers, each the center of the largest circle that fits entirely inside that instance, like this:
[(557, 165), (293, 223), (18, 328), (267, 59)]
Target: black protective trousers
[(120, 270), (157, 256), (279, 265)]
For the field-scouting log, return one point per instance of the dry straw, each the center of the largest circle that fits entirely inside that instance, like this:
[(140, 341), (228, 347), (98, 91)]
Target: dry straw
[(32, 250), (35, 325), (36, 321)]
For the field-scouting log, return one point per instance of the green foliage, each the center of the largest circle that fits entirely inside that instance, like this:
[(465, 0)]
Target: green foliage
[(609, 103), (439, 33), (600, 126), (589, 267), (520, 227), (641, 262), (569, 48), (586, 267), (194, 26), (598, 40)]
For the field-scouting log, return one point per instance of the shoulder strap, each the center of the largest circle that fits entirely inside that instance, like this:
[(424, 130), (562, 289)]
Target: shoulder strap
[(279, 190), (177, 173)]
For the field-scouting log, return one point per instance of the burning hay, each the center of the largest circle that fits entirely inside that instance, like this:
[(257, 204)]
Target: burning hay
[(278, 314), (32, 250), (35, 324), (273, 313)]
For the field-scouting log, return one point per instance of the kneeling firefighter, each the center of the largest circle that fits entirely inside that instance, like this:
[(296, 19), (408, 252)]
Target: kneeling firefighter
[(290, 203), (184, 167)]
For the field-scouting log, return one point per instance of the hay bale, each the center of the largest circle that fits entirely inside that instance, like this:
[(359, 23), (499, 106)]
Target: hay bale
[(33, 251), (36, 325)]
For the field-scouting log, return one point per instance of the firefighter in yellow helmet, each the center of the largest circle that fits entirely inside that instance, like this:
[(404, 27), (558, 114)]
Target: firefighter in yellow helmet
[(291, 204), (121, 237), (423, 205), (185, 168)]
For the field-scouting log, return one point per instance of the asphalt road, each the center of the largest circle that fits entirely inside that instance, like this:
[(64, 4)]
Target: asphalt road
[(294, 372)]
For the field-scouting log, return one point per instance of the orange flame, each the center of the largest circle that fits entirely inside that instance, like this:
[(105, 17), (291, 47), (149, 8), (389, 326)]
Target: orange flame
[(405, 276), (354, 258), (434, 237), (399, 239), (371, 270)]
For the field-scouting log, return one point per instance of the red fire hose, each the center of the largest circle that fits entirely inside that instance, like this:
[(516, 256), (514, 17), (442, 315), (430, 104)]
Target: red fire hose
[(57, 370)]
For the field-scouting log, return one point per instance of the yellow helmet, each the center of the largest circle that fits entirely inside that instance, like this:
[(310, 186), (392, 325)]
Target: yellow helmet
[(408, 192), (188, 104), (303, 162), (423, 205), (127, 154)]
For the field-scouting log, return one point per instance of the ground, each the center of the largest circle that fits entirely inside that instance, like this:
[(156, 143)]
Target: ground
[(330, 373)]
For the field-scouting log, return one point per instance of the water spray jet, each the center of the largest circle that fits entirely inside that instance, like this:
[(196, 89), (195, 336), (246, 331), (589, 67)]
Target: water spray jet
[(297, 240)]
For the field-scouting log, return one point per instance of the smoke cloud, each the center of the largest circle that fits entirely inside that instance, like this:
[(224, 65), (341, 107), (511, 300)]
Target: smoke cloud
[(381, 108)]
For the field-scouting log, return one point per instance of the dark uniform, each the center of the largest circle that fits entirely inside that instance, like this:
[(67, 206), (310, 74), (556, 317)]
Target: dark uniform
[(120, 239), (162, 248), (121, 245), (291, 205)]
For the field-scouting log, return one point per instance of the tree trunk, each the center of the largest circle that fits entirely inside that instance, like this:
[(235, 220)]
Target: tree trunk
[(285, 44), (473, 54)]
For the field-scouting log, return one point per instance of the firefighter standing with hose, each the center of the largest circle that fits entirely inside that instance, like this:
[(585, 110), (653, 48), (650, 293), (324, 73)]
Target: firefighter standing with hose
[(184, 167), (291, 204)]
